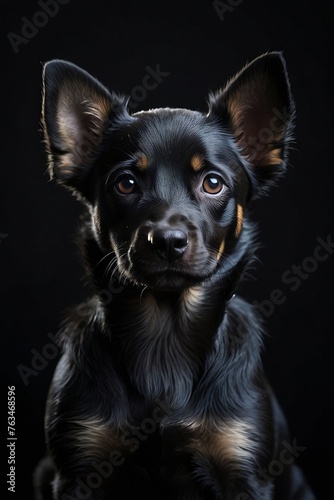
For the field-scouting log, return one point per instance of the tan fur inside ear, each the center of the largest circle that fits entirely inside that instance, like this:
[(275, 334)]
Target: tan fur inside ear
[(77, 111), (258, 126), (81, 122)]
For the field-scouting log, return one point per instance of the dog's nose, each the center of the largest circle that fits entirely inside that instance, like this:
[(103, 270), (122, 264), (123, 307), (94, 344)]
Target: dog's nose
[(169, 243)]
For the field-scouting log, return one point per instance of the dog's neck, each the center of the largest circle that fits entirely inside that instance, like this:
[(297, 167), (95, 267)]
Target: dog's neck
[(149, 330)]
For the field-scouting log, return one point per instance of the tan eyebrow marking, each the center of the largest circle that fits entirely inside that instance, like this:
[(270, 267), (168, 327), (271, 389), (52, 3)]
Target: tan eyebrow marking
[(196, 162), (240, 216), (142, 162), (221, 249)]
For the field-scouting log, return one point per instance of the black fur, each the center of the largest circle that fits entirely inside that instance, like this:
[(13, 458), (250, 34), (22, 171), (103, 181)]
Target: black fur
[(160, 389)]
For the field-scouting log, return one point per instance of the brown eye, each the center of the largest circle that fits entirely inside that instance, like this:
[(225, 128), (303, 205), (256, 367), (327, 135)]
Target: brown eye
[(126, 185), (212, 184)]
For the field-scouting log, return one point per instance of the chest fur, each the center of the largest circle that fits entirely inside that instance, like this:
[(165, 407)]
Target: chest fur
[(164, 344)]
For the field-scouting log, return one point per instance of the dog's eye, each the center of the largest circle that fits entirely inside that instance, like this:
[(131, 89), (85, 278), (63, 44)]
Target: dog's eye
[(126, 185), (212, 184)]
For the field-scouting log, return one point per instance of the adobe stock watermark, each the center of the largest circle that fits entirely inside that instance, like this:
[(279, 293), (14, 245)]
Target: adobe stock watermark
[(223, 7), (292, 278), (87, 147), (31, 27), (50, 351), (151, 80), (266, 135), (130, 442), (287, 456), (296, 274), (40, 359)]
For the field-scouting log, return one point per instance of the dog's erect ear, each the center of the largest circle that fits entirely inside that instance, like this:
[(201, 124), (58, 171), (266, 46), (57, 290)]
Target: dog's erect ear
[(77, 111), (257, 107)]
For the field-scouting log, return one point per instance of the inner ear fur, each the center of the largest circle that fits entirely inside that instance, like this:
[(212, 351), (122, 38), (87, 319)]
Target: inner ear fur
[(77, 110), (257, 107)]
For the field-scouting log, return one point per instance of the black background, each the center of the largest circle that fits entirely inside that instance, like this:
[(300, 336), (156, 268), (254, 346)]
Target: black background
[(40, 270)]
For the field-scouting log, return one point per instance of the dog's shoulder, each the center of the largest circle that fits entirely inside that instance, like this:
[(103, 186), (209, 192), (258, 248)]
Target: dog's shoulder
[(82, 322), (240, 339)]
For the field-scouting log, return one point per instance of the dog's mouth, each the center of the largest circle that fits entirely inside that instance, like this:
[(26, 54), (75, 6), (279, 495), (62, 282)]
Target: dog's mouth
[(155, 272), (170, 280), (167, 258)]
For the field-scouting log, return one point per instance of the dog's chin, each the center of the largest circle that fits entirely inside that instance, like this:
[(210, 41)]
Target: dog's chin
[(170, 281)]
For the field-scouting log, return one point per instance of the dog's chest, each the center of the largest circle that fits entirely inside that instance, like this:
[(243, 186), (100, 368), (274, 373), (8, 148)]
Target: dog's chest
[(164, 343)]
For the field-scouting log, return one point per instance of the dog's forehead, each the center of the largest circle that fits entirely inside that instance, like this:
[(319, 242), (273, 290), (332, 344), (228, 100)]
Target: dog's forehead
[(175, 134)]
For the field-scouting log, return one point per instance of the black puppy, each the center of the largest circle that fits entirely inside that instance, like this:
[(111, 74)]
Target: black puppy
[(160, 389)]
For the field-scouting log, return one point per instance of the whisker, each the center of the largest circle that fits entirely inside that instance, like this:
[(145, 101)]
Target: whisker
[(116, 269), (142, 292), (102, 259)]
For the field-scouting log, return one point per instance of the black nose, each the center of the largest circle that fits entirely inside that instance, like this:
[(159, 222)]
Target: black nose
[(169, 243)]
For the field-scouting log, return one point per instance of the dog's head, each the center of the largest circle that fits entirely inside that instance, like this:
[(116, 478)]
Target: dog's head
[(167, 188)]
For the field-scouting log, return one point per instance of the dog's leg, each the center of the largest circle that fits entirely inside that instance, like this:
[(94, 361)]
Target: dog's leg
[(291, 483), (114, 475), (43, 477), (96, 459), (89, 458), (219, 464)]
